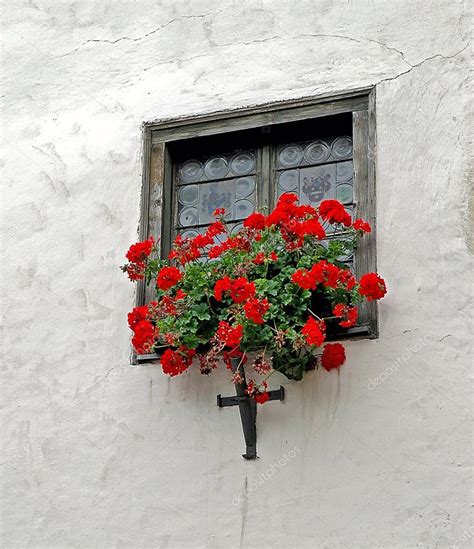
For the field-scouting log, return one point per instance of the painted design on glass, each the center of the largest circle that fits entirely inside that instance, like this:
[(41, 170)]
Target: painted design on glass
[(213, 196), (317, 183)]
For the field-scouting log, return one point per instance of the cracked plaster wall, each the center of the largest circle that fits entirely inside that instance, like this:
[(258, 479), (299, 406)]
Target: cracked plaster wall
[(101, 454)]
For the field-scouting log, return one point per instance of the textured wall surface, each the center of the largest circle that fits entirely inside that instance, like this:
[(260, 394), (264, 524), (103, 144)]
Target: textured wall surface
[(98, 453)]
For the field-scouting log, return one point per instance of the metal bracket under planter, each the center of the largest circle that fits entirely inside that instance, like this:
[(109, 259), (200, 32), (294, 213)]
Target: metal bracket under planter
[(247, 408)]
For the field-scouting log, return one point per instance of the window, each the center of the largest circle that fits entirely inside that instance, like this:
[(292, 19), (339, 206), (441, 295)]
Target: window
[(243, 160)]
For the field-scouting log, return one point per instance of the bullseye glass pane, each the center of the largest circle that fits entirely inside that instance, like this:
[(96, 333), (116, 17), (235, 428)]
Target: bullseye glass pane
[(190, 172), (242, 163), (290, 156), (344, 171), (188, 195), (344, 193), (317, 152), (244, 187), (288, 180), (216, 168), (342, 148)]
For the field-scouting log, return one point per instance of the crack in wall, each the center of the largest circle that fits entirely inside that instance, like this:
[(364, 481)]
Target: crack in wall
[(360, 41), (417, 65), (139, 38)]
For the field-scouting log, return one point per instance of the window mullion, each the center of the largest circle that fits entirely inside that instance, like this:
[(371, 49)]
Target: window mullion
[(264, 178)]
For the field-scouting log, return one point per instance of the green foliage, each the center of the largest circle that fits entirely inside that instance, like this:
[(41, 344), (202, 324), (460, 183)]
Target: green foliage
[(197, 316)]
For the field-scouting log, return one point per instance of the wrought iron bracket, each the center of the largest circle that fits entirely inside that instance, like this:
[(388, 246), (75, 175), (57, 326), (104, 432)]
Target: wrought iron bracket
[(223, 402), (247, 409)]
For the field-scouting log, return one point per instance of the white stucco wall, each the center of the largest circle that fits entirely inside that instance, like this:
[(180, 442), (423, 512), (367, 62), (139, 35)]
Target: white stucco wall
[(98, 453)]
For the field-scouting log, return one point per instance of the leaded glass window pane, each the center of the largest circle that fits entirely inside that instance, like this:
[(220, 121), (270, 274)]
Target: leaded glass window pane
[(318, 170), (205, 184)]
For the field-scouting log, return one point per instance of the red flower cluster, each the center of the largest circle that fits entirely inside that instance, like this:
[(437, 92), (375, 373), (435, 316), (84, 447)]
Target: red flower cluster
[(240, 289), (176, 362), (348, 315), (295, 222), (260, 258), (137, 255), (168, 303), (333, 356), (229, 335), (137, 315), (314, 331), (139, 252), (361, 225), (144, 333), (189, 249), (168, 277), (241, 241), (372, 286), (254, 392), (334, 212), (325, 273), (255, 221), (255, 309)]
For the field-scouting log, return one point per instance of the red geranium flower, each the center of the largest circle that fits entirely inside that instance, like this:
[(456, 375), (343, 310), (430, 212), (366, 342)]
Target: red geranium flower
[(312, 227), (176, 362), (168, 277), (222, 285), (215, 228), (229, 335), (333, 356), (372, 286), (140, 251), (256, 394), (334, 212), (255, 309), (346, 279), (255, 221), (348, 315), (135, 271), (136, 315), (261, 398), (321, 272), (361, 225), (180, 294), (304, 279), (259, 258), (241, 290), (144, 336), (314, 331), (215, 251)]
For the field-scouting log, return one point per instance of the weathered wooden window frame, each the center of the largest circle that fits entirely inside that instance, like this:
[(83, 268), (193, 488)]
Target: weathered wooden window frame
[(157, 200)]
